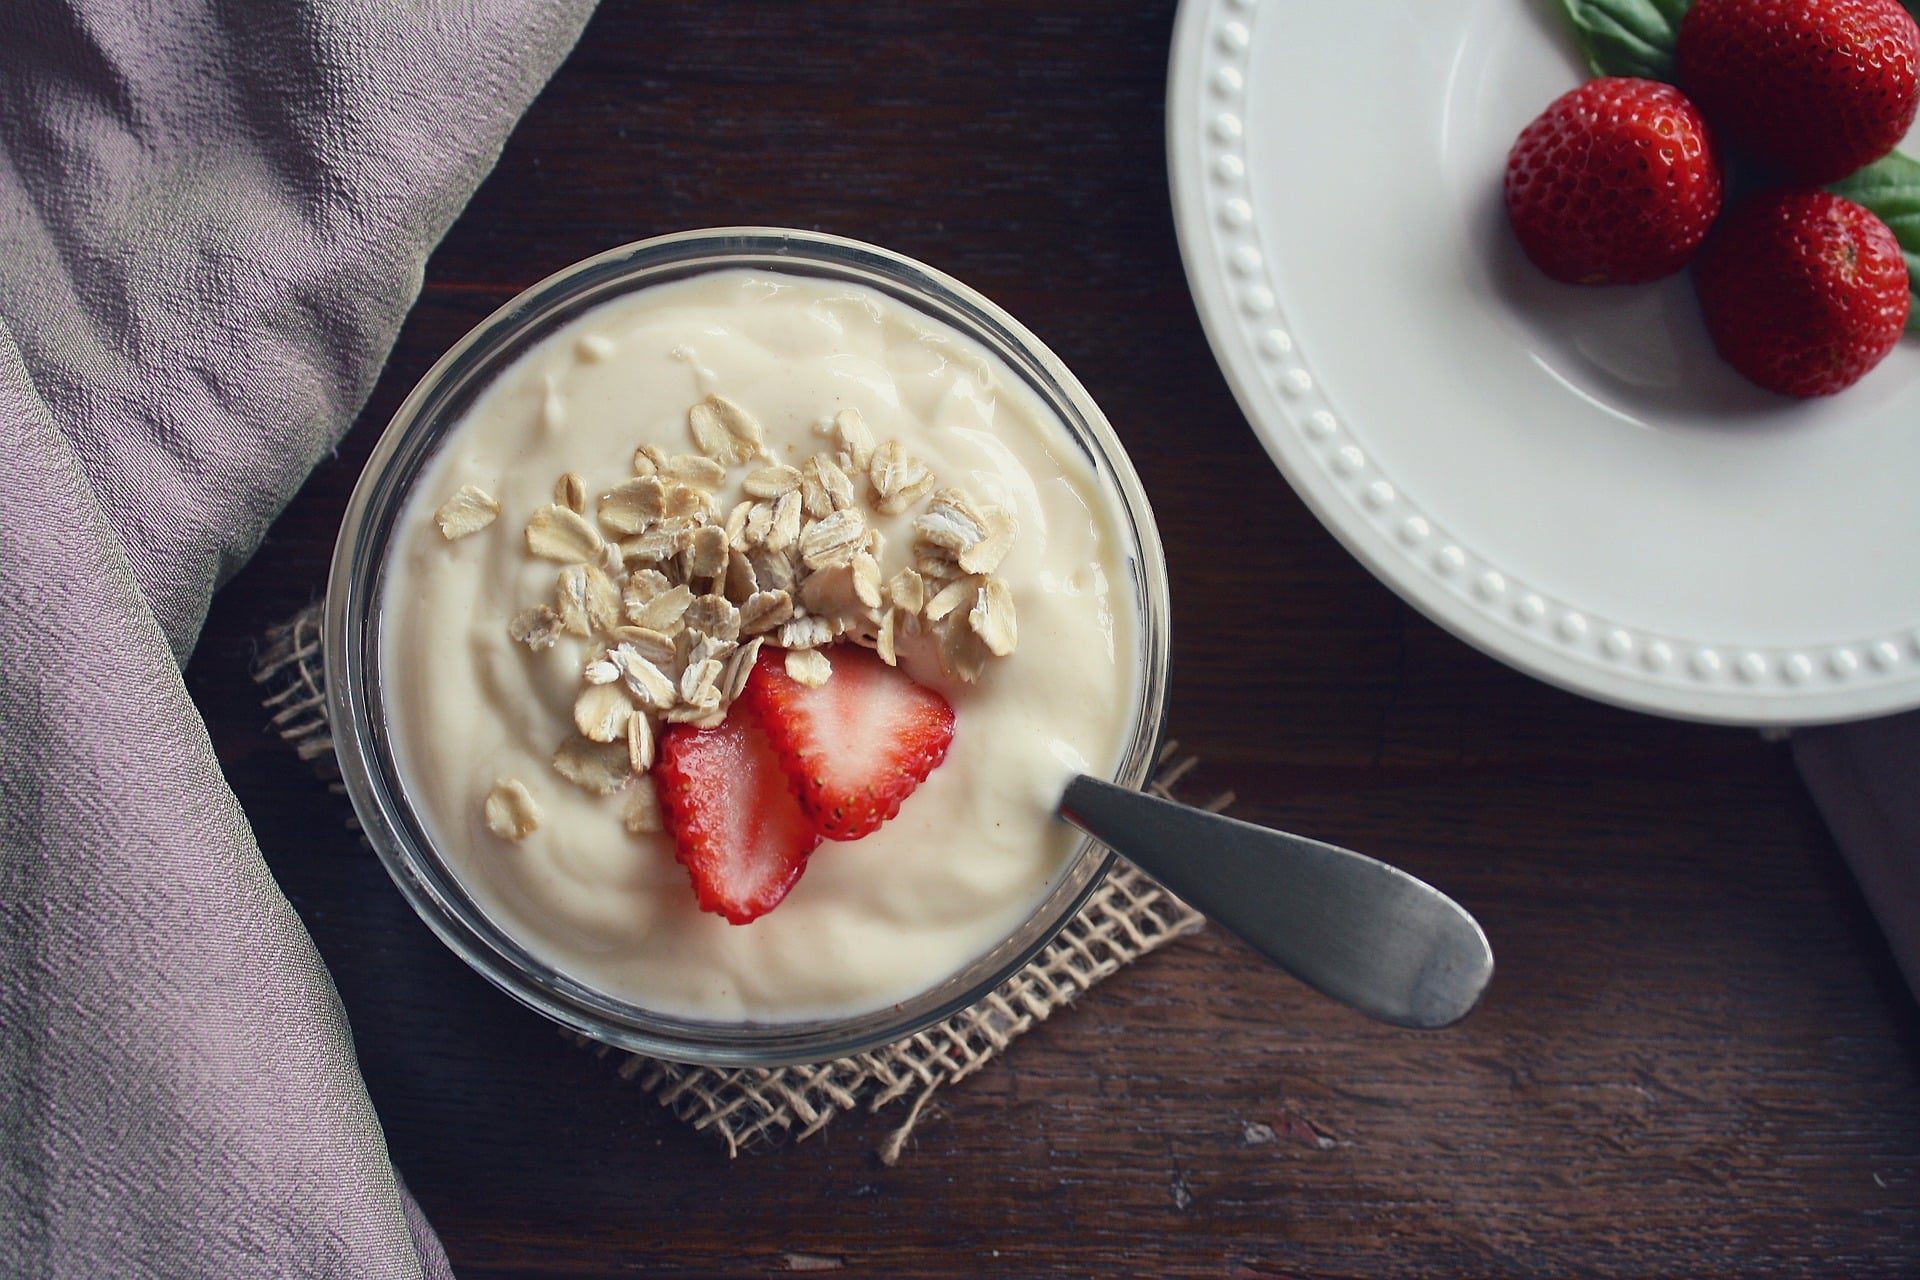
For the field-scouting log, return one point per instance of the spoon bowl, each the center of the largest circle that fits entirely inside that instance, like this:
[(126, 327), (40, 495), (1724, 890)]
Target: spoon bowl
[(1353, 928)]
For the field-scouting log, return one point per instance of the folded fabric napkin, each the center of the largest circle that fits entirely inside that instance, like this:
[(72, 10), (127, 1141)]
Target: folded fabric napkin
[(1864, 778), (213, 216)]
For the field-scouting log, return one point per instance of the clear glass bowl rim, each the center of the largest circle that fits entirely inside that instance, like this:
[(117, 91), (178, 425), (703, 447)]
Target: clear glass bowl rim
[(350, 636)]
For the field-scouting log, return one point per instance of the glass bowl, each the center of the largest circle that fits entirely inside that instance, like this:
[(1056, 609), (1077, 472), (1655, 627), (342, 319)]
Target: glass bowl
[(353, 620)]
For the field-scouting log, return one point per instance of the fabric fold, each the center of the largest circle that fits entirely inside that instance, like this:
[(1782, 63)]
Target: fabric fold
[(213, 217), (1863, 778)]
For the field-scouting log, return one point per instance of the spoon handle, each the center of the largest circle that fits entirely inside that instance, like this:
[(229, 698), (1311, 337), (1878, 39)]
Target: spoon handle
[(1367, 934)]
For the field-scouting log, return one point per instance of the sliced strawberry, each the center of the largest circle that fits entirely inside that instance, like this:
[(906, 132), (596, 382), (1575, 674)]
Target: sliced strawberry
[(733, 818), (856, 746)]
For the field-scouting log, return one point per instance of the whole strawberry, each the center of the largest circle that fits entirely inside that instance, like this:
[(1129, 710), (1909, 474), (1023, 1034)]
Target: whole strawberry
[(1614, 183), (1803, 291), (1815, 88)]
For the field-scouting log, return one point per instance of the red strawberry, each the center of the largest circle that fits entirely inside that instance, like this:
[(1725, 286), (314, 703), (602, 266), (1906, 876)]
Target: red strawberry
[(1816, 88), (1614, 183), (858, 745), (1803, 291), (734, 822)]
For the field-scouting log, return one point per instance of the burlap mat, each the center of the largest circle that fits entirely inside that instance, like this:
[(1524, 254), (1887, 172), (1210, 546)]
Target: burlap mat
[(1127, 916)]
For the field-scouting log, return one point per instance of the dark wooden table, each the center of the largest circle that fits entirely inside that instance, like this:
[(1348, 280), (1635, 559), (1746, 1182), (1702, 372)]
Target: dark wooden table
[(1697, 1055)]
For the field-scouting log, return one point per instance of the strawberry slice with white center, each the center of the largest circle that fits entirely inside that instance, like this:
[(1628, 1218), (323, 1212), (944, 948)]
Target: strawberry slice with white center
[(856, 746), (735, 823)]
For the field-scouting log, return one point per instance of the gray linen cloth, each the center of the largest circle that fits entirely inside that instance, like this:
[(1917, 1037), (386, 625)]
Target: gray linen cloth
[(213, 215), (1866, 779)]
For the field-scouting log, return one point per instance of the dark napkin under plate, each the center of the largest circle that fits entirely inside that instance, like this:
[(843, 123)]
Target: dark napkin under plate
[(1866, 778)]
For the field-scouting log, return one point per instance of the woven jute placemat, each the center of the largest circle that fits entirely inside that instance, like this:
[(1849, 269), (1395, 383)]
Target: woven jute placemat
[(1127, 917)]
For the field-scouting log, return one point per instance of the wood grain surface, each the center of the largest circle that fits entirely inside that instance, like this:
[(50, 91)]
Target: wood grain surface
[(1696, 1056)]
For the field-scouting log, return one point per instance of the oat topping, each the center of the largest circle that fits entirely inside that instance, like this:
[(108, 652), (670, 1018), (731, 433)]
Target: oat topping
[(770, 482), (723, 430), (713, 618), (833, 540), (707, 552), (865, 571), (685, 504), (695, 471), (765, 610), (641, 586), (663, 612), (935, 564), (656, 544), (899, 479), (640, 743), (963, 652), (759, 524), (809, 666), (740, 582), (699, 684), (594, 766), (675, 602), (656, 647), (632, 505), (469, 510), (805, 631), (559, 534), (813, 495), (642, 813), (570, 600), (977, 537), (772, 570), (536, 628), (984, 556), (908, 591), (708, 435), (739, 667), (601, 712), (510, 811), (784, 529), (948, 598), (950, 521), (992, 618), (834, 482), (829, 592), (586, 600), (855, 440), (643, 678)]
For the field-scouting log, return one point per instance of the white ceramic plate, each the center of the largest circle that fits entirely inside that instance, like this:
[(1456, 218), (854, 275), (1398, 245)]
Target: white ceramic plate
[(1567, 478)]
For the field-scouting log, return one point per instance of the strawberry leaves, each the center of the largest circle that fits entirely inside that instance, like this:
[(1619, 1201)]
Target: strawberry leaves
[(1890, 188), (1628, 37)]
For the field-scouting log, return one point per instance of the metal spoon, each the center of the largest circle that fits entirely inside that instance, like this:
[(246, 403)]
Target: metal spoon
[(1367, 934)]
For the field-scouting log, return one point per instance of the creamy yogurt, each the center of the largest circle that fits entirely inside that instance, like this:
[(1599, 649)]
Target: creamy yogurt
[(873, 921)]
